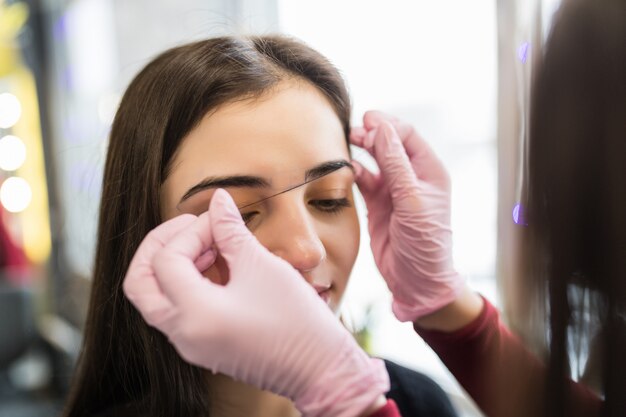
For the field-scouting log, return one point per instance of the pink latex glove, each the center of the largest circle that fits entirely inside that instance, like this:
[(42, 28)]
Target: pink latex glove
[(267, 327), (408, 206)]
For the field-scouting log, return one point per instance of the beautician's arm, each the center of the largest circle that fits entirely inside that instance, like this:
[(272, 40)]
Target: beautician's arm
[(408, 206), (495, 368)]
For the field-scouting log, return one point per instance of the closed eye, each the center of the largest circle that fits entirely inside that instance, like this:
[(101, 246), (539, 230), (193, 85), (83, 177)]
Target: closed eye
[(247, 217), (331, 205), (334, 205)]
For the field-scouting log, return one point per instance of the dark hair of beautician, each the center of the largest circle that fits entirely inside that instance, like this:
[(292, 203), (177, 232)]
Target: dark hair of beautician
[(575, 243)]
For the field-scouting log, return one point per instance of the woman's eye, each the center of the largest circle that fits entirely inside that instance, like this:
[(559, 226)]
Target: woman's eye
[(332, 205), (247, 217)]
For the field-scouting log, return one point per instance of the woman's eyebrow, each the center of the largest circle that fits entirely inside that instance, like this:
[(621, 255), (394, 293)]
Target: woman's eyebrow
[(226, 181), (250, 181), (326, 168)]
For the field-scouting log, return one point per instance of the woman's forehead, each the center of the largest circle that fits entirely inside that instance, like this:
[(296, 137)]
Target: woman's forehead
[(291, 130)]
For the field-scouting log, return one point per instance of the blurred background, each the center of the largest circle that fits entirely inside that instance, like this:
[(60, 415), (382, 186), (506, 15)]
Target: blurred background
[(459, 71)]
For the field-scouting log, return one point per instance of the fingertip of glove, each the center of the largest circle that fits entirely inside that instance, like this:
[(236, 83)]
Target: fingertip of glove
[(372, 118), (357, 132), (227, 225), (220, 198), (223, 207)]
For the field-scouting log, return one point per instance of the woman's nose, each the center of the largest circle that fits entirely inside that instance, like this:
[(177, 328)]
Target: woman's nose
[(295, 239)]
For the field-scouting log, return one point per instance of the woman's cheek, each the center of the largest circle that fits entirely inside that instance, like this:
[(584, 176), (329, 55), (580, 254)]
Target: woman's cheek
[(350, 238), (342, 244)]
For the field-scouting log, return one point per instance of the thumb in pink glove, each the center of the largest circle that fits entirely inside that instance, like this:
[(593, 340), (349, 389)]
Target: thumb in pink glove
[(266, 327), (408, 205)]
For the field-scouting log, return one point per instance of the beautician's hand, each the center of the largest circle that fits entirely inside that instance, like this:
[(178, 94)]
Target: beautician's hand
[(267, 327), (408, 207)]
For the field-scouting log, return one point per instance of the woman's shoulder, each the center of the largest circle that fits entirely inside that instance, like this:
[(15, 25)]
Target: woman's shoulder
[(416, 394)]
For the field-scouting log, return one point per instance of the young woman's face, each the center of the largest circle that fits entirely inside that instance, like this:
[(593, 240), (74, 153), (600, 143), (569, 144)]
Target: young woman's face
[(290, 139)]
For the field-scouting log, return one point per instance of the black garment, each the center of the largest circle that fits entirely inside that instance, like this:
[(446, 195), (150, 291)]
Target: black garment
[(416, 394)]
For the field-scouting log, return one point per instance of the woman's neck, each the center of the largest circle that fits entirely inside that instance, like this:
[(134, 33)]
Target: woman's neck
[(230, 398)]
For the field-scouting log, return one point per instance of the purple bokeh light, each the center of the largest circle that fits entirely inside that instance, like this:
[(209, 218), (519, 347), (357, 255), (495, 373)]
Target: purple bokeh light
[(59, 29), (522, 52), (519, 215)]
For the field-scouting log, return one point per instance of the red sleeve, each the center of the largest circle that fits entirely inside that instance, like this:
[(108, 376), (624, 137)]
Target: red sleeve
[(498, 372), (389, 410)]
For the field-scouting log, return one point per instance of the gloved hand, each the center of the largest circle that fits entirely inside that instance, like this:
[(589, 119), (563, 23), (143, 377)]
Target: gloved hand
[(408, 206), (267, 327)]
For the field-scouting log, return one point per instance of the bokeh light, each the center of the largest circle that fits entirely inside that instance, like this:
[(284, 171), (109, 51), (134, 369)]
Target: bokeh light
[(10, 110), (523, 51), (519, 215), (12, 153), (15, 194)]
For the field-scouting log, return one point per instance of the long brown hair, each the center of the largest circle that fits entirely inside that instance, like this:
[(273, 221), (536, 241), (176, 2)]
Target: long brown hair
[(574, 249), (125, 366)]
